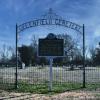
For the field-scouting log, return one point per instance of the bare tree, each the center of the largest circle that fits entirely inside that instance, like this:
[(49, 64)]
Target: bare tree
[(70, 46), (34, 42), (4, 53)]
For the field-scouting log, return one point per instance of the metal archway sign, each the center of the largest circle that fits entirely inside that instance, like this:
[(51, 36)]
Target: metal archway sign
[(50, 18)]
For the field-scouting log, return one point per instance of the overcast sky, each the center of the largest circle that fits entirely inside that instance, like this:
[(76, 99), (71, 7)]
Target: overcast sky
[(79, 11)]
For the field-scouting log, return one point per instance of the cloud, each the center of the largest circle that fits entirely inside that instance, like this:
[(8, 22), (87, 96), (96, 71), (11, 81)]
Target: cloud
[(79, 11), (97, 31)]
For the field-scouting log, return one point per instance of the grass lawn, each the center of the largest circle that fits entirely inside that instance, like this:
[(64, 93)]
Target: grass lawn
[(43, 88), (57, 88)]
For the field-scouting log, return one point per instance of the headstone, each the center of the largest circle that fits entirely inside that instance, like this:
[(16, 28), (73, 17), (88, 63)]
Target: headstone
[(23, 65)]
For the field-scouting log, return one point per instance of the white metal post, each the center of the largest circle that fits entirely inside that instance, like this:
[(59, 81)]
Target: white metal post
[(50, 74)]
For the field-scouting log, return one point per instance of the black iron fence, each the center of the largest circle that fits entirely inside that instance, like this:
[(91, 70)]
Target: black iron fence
[(38, 76)]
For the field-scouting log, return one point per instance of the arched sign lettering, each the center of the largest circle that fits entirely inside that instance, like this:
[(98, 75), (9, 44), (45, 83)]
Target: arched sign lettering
[(50, 19), (39, 22)]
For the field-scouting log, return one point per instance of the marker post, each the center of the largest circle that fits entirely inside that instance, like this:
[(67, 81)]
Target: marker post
[(50, 74)]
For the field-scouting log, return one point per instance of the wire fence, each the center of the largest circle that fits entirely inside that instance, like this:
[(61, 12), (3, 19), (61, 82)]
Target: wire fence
[(39, 76)]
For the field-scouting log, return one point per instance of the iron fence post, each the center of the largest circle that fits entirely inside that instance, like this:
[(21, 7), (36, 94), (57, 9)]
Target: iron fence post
[(16, 73), (84, 83)]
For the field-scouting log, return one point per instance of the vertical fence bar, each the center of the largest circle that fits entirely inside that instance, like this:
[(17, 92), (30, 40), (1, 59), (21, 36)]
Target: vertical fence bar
[(16, 78), (84, 56)]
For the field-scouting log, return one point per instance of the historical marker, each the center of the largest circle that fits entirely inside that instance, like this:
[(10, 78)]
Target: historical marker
[(51, 46)]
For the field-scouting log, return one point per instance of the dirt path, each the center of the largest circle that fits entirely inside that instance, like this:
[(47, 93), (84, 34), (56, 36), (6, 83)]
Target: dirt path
[(77, 95)]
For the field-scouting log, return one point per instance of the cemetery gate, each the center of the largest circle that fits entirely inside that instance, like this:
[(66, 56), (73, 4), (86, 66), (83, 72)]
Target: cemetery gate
[(65, 75)]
